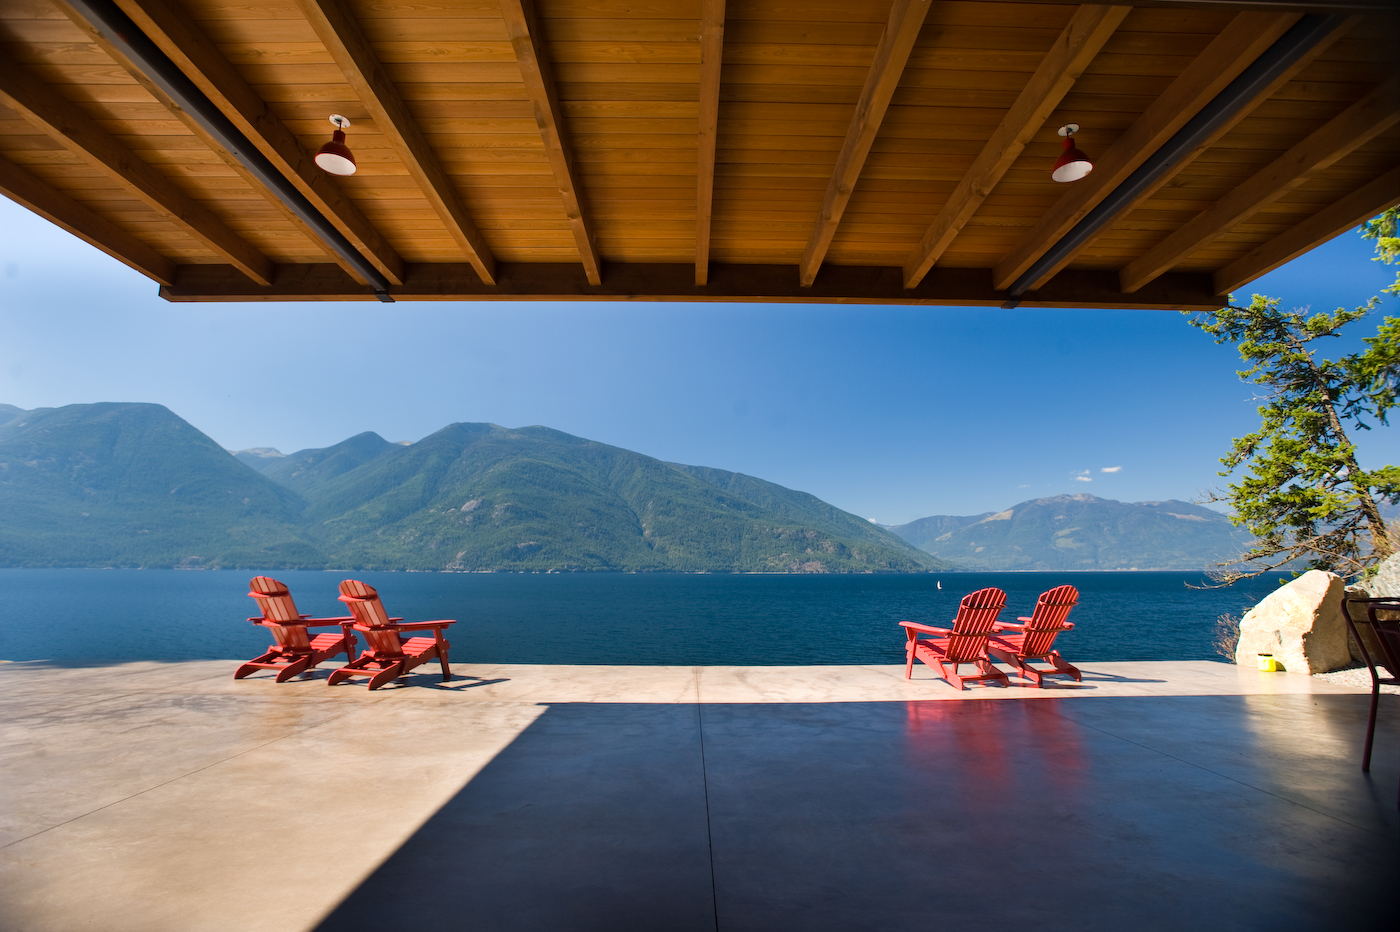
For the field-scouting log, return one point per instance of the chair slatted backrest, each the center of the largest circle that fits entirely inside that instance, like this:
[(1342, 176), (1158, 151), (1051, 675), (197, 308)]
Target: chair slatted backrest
[(1379, 637), (277, 606), (369, 614), (1048, 619), (977, 615)]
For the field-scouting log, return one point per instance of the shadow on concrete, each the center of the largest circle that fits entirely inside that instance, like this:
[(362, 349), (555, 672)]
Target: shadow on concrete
[(1137, 813)]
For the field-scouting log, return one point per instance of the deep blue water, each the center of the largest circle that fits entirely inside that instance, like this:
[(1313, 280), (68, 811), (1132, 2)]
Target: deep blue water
[(119, 615)]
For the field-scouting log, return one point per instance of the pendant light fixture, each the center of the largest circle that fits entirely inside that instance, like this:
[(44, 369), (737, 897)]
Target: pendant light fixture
[(1072, 164), (335, 157)]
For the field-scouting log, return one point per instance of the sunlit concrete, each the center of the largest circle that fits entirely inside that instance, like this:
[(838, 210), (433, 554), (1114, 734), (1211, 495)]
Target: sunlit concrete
[(168, 796)]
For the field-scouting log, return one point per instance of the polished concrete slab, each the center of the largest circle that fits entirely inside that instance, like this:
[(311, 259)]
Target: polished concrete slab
[(167, 796)]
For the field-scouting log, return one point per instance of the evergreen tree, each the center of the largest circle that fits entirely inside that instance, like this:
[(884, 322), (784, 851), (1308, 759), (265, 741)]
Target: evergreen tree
[(1304, 495)]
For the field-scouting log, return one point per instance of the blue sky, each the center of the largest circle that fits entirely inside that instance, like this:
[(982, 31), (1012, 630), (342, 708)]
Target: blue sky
[(892, 413)]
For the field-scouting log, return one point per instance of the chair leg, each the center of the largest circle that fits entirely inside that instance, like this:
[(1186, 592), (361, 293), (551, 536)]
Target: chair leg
[(292, 669), (1065, 666), (254, 664), (1370, 730), (446, 670), (909, 660), (347, 671), (387, 675)]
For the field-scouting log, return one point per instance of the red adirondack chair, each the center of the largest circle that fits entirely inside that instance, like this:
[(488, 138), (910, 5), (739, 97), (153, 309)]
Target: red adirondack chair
[(390, 655), (965, 642), (295, 651), (1036, 637)]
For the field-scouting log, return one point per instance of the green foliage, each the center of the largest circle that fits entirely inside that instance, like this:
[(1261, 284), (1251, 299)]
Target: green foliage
[(1080, 532), (134, 485), (477, 497), (1382, 230), (1303, 494)]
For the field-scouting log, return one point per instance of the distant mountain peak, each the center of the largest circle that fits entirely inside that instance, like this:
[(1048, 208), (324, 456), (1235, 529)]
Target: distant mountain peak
[(1081, 532)]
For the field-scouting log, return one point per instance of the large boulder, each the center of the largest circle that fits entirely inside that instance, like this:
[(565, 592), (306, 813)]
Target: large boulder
[(1301, 625), (1386, 583)]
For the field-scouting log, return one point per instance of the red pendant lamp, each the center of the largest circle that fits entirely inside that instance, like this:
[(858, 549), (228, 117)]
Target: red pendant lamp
[(335, 156), (1072, 164)]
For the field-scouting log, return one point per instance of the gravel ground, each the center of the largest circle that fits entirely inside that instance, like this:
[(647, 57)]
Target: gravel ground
[(1356, 675)]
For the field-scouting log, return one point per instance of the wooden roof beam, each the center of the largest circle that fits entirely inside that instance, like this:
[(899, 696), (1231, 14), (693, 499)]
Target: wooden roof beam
[(675, 281), (1242, 41), (27, 189), (711, 57), (1330, 222), (891, 55), (68, 125), (170, 26), (535, 70), (1370, 116), (1074, 49), (338, 30)]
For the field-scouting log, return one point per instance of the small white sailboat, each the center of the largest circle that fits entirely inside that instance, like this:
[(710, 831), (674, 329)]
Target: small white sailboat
[(940, 584)]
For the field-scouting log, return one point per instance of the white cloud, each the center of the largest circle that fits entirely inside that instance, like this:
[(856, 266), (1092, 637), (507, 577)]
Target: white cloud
[(1082, 472), (1112, 469), (1082, 479), (1023, 486)]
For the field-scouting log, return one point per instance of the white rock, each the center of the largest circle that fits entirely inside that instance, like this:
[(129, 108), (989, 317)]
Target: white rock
[(1301, 624), (1386, 582)]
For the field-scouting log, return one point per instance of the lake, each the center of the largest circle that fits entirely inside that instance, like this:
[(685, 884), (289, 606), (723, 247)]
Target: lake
[(80, 616)]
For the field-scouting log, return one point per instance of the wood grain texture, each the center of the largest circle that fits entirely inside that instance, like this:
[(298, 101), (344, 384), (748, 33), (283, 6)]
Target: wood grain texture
[(537, 73), (1330, 222), (338, 30), (891, 53), (67, 124), (1072, 52), (1362, 121), (1246, 37), (171, 27), (53, 205), (711, 58)]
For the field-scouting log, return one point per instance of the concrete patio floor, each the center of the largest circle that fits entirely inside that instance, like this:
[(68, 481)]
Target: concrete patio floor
[(1153, 796)]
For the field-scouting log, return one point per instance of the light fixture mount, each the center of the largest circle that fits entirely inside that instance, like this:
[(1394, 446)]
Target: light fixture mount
[(335, 157)]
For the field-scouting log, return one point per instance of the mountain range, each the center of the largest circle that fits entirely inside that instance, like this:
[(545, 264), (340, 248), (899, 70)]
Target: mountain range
[(135, 485), (1081, 532)]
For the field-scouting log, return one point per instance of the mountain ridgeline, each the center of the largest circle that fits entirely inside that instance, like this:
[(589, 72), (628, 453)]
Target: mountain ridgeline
[(1081, 532), (135, 485)]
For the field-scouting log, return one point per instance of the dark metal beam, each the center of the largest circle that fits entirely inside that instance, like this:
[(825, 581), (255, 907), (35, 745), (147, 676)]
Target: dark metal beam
[(118, 29), (1239, 93)]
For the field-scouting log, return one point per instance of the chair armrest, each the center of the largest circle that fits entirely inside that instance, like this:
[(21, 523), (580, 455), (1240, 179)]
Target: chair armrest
[(425, 625), (914, 625), (1009, 626), (305, 621)]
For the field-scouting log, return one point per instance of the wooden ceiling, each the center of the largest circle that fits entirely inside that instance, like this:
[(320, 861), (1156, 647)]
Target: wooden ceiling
[(771, 150)]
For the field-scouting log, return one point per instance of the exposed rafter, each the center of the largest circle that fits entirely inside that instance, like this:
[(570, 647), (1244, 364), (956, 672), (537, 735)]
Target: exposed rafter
[(839, 284), (1330, 222), (1362, 121), (58, 208), (193, 124), (1246, 37), (711, 57), (68, 125), (891, 55), (535, 70), (338, 30), (171, 27), (1081, 40)]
